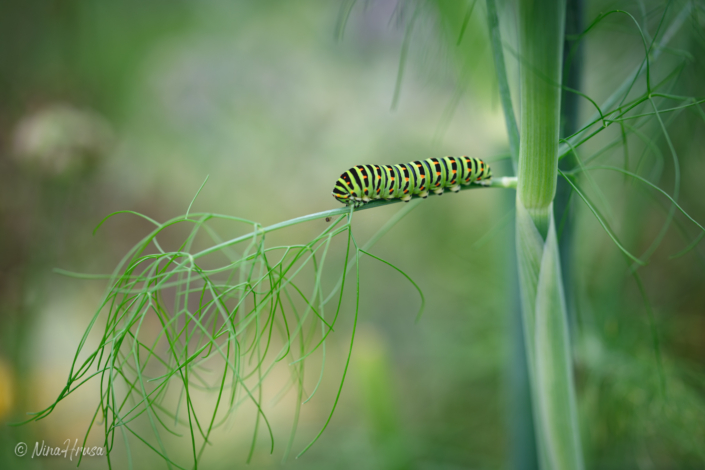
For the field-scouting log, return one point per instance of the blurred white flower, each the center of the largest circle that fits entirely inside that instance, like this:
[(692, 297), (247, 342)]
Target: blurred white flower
[(60, 139)]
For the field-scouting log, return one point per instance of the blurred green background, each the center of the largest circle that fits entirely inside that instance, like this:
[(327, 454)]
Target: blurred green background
[(130, 105)]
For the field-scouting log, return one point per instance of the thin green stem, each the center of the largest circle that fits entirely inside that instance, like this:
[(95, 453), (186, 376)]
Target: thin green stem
[(504, 91), (501, 182)]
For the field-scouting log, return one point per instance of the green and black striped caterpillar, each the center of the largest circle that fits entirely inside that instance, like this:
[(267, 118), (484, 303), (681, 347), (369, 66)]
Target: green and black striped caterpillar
[(363, 183)]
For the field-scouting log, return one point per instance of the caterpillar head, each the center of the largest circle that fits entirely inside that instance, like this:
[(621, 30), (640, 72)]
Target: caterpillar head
[(341, 191), (344, 198)]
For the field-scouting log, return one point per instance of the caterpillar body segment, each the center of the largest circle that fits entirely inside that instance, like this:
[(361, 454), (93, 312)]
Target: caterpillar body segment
[(364, 183)]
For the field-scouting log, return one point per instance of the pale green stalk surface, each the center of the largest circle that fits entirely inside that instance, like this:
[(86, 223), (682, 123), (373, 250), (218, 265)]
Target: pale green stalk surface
[(545, 323)]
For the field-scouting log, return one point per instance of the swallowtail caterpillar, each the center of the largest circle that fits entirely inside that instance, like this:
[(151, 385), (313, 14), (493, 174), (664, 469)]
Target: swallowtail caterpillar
[(364, 183)]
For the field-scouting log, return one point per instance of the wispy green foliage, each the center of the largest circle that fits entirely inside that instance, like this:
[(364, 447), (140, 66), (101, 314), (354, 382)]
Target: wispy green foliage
[(190, 326)]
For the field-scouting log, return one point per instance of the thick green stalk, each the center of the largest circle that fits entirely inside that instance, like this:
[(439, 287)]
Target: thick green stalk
[(543, 303), (522, 436), (570, 105), (541, 26)]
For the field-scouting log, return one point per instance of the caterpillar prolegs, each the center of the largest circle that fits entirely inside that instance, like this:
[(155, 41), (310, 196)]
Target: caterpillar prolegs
[(364, 183)]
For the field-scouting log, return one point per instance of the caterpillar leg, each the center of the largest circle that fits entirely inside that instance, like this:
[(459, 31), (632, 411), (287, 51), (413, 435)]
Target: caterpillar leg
[(438, 191), (487, 182), (423, 194), (455, 188), (406, 198), (356, 202)]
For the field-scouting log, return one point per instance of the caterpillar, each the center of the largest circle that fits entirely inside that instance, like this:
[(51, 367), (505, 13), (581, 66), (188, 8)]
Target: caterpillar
[(363, 183)]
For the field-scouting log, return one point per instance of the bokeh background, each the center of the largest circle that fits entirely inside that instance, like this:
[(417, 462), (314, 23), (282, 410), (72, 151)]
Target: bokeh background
[(112, 106)]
